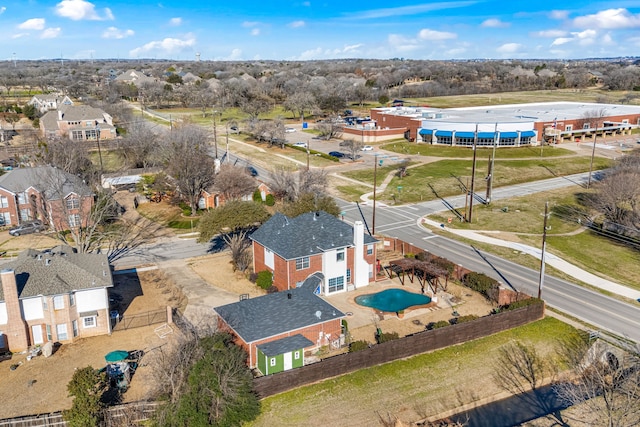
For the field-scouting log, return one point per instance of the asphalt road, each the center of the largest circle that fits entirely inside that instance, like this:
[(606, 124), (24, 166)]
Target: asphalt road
[(602, 312)]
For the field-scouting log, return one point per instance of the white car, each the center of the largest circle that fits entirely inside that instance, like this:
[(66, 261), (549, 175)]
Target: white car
[(367, 148), (300, 144), (289, 130)]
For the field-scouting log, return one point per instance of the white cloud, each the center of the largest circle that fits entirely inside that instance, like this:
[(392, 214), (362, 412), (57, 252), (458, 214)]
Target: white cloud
[(78, 10), (2, 10), (32, 24), (326, 53), (494, 23), (561, 40), (296, 24), (410, 10), (175, 22), (609, 19), (19, 35), (116, 33), (167, 46), (51, 33), (549, 33), (559, 14), (509, 48), (235, 55), (583, 38), (255, 32), (432, 35)]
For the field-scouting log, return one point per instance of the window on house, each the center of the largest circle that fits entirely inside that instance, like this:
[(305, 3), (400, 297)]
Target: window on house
[(586, 126), (336, 284), (58, 302), (49, 337), (61, 331), (4, 202), (348, 275), (73, 203), (568, 128), (72, 299), (296, 355), (91, 134), (369, 249), (22, 198), (7, 218), (89, 322), (302, 263), (25, 214), (74, 326), (76, 135), (272, 361), (74, 220), (340, 256)]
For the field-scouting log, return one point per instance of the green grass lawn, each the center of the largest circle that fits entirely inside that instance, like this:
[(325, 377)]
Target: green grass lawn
[(404, 147), (411, 389)]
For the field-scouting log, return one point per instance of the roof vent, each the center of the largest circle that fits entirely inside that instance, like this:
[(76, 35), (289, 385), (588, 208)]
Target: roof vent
[(289, 295), (47, 261), (104, 273), (39, 257), (319, 314)]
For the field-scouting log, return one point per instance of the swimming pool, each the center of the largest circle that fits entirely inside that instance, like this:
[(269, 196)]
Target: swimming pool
[(392, 300)]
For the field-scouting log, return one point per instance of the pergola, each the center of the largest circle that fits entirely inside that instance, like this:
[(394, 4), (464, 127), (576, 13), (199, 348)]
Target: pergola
[(425, 271)]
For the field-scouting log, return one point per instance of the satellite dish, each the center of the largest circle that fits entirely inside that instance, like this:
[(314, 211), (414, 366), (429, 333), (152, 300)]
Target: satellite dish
[(319, 314)]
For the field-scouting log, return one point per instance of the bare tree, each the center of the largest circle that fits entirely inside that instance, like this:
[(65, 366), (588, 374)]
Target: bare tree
[(68, 156), (234, 182), (605, 383), (352, 147), (239, 246), (330, 128), (141, 147), (288, 185), (189, 163)]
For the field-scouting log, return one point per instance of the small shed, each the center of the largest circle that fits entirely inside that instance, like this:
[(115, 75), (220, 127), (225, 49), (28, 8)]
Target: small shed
[(283, 354)]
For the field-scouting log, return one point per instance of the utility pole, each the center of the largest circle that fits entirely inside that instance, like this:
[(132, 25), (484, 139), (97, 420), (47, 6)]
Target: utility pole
[(375, 185), (226, 127), (544, 248), (496, 140), (99, 150), (473, 174), (215, 133), (593, 153)]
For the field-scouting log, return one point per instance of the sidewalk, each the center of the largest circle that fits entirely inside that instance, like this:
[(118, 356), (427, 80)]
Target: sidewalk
[(550, 259)]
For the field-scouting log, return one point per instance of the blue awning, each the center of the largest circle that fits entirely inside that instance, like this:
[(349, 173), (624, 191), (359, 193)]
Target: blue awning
[(486, 135), (465, 134), (425, 131), (508, 134), (527, 133), (440, 133)]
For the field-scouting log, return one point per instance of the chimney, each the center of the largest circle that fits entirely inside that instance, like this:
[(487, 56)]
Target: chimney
[(60, 115), (360, 266), (17, 332)]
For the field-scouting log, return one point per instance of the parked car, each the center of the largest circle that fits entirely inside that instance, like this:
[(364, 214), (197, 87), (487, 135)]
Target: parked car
[(252, 171), (234, 129), (289, 130), (337, 154), (300, 144), (27, 228), (367, 148)]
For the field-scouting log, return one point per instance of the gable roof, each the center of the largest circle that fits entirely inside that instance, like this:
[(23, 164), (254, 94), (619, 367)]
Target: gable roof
[(58, 271), (308, 234), (284, 345), (274, 314), (52, 182), (81, 112)]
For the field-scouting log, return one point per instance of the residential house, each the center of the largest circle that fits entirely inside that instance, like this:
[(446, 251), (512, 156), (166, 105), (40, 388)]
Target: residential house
[(212, 197), (44, 103), (135, 77), (78, 123), (277, 329), (55, 197), (54, 295), (295, 248)]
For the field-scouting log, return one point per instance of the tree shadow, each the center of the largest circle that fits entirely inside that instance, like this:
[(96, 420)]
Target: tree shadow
[(126, 287)]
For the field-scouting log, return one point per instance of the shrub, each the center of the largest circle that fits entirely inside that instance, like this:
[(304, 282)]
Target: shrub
[(264, 279), (387, 336), (257, 196), (272, 289), (253, 277), (185, 208), (270, 200), (358, 345), (479, 282), (522, 303), (437, 325), (467, 318)]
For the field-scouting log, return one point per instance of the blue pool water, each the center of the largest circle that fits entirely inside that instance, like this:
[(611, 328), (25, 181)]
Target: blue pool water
[(392, 300)]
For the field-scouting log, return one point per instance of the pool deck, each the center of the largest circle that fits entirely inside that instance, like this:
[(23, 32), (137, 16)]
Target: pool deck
[(363, 321)]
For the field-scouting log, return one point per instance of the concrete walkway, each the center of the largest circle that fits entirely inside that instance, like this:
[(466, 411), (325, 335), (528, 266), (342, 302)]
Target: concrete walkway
[(550, 259)]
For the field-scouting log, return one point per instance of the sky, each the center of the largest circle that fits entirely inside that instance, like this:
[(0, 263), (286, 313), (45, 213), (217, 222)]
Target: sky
[(318, 29)]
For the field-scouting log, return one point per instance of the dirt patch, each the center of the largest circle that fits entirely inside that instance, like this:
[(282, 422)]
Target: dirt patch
[(40, 384), (217, 270)]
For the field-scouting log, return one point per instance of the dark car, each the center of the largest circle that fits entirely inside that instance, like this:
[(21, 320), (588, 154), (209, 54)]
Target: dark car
[(27, 228), (252, 171), (337, 154)]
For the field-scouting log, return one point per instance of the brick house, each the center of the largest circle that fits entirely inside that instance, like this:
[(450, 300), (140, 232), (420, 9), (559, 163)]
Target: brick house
[(54, 295), (277, 329), (78, 123), (212, 198), (295, 248), (56, 198)]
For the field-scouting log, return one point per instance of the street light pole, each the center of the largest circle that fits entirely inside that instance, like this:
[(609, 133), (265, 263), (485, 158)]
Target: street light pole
[(375, 184), (496, 140), (226, 126), (544, 248), (593, 153), (215, 134), (473, 173)]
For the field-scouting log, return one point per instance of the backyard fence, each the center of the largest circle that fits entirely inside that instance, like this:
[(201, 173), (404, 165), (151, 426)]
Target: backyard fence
[(411, 345), (141, 320)]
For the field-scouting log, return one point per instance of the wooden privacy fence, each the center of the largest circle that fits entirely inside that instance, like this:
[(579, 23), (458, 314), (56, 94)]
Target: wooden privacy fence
[(141, 320), (411, 345)]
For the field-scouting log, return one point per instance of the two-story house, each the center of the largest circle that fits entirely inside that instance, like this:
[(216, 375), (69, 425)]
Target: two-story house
[(55, 197), (54, 295), (78, 123), (44, 103), (295, 248)]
